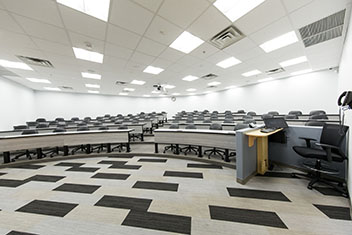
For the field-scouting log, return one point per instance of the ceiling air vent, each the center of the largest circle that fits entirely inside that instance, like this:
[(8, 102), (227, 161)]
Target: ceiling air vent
[(209, 76), (227, 37), (323, 30), (5, 72), (120, 83), (66, 87), (274, 71), (36, 61)]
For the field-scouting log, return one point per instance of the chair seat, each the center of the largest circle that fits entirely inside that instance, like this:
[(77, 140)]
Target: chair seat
[(316, 153)]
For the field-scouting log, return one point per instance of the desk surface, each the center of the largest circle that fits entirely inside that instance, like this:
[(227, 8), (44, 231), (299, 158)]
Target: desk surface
[(258, 133), (199, 131)]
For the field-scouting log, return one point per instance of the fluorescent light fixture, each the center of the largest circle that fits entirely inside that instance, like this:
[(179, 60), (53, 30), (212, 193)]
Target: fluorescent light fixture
[(294, 61), (228, 62), (38, 80), (279, 42), (92, 85), (235, 9), (52, 88), (168, 86), (186, 42), (14, 65), (98, 9), (91, 75), (146, 95), (153, 70), (129, 89), (138, 82), (84, 54), (301, 72), (266, 79), (231, 87), (93, 92), (214, 83), (191, 89), (190, 78), (156, 92), (251, 73), (175, 94), (123, 93)]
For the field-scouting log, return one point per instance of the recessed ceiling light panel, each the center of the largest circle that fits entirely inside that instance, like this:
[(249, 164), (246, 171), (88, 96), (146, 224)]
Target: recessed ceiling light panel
[(228, 62), (294, 61), (52, 88), (266, 79), (190, 78), (279, 42), (251, 73), (91, 75), (92, 85), (153, 70), (14, 65), (186, 42), (191, 89), (84, 54), (93, 92), (38, 80), (138, 82)]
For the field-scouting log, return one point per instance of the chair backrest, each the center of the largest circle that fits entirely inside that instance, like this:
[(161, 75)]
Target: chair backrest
[(207, 121), (20, 127), (228, 121), (317, 112), (135, 121), (75, 119), (240, 126), (40, 120), (107, 115), (249, 121), (42, 125), (314, 123), (247, 117), (122, 127), (103, 128), (52, 123), (174, 126), (32, 123), (83, 128), (58, 130), (291, 116), (191, 126), (266, 116), (273, 113), (189, 121), (241, 111), (319, 116), (82, 124), (29, 132), (59, 119), (118, 122), (295, 112), (97, 124), (333, 134), (87, 119), (215, 126), (252, 113)]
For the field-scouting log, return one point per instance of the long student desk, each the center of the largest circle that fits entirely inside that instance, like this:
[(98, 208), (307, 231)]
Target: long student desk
[(65, 139), (201, 138)]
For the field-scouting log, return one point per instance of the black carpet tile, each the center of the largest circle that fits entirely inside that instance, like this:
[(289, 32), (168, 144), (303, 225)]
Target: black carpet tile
[(328, 191), (128, 167), (130, 203), (127, 156), (51, 208), (28, 166), (195, 175), (335, 212), (156, 186), (278, 174), (2, 173), (156, 160), (46, 178), (20, 233), (83, 169), (111, 176), (158, 221), (112, 162), (207, 166), (70, 164), (256, 217), (11, 183), (77, 188), (257, 194)]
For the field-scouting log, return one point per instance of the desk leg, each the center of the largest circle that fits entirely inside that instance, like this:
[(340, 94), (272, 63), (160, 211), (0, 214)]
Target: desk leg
[(6, 157), (177, 150), (88, 148), (39, 153), (227, 155), (128, 148), (262, 155), (108, 148), (200, 154), (65, 150), (156, 150), (142, 137)]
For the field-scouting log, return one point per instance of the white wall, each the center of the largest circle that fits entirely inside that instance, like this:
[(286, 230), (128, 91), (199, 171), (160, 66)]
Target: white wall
[(345, 84), (307, 92), (16, 104)]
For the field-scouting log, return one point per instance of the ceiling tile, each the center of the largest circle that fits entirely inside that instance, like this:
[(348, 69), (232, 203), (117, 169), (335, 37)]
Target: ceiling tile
[(117, 51), (11, 39), (82, 23), (150, 47), (294, 5), (44, 31), (217, 57), (130, 16), (81, 41), (215, 22), (43, 10), (241, 46), (122, 37), (163, 31), (260, 16), (7, 23), (53, 47), (151, 5), (142, 58), (190, 11), (203, 51), (171, 54)]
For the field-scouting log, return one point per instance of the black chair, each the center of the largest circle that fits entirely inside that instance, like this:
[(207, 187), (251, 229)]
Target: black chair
[(273, 113), (247, 116), (87, 119), (75, 119), (189, 121), (42, 125), (215, 151), (172, 147), (55, 151), (190, 148), (325, 152), (82, 124), (240, 111), (291, 116), (249, 121), (20, 127), (53, 123), (267, 116), (32, 124), (26, 153), (316, 112), (295, 112), (314, 123), (207, 121), (251, 113), (59, 119), (82, 147), (40, 120), (319, 116), (97, 124), (240, 126)]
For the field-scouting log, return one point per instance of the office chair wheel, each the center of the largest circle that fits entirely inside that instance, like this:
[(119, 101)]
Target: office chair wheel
[(310, 187)]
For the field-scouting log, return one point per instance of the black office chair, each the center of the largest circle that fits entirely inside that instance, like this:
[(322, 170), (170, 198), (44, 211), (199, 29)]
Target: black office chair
[(55, 151), (316, 112), (249, 121), (190, 148), (207, 121), (27, 152), (240, 111), (290, 116), (53, 123), (32, 124), (273, 113), (40, 120), (295, 112), (267, 116), (172, 147), (189, 121), (83, 148), (251, 113), (75, 119), (59, 119), (42, 125), (97, 124), (20, 127), (82, 124), (247, 116), (240, 126), (215, 151), (319, 116), (326, 151), (314, 123), (87, 119)]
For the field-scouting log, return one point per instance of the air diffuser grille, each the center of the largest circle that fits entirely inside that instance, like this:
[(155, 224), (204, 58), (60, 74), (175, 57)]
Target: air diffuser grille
[(323, 30), (36, 61), (209, 76), (274, 71), (227, 37)]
